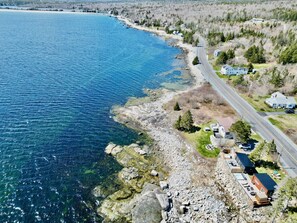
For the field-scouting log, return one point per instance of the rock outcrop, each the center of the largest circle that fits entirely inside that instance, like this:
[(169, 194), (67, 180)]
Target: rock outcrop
[(140, 199)]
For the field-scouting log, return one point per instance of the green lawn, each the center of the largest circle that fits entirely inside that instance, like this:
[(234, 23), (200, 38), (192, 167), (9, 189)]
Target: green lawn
[(276, 123), (255, 136), (261, 66), (258, 102), (284, 122), (221, 75), (216, 67), (200, 139)]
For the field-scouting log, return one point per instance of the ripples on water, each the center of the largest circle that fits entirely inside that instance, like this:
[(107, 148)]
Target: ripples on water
[(59, 76)]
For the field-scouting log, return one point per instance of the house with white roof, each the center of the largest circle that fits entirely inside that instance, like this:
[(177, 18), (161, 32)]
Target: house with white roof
[(278, 100), (233, 71)]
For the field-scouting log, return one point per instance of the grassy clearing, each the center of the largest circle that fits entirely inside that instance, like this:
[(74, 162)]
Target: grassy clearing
[(258, 102), (261, 66), (276, 123), (217, 67), (222, 75), (287, 124), (255, 136), (285, 121), (200, 139)]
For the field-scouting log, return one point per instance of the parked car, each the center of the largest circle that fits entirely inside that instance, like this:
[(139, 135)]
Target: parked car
[(248, 188), (238, 142), (253, 193), (245, 146), (290, 111)]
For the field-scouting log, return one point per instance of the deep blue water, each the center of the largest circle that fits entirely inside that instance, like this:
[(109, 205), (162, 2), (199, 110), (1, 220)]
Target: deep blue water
[(60, 74)]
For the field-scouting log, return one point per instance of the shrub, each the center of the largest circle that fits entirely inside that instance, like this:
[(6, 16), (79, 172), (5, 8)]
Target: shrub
[(176, 107), (195, 61)]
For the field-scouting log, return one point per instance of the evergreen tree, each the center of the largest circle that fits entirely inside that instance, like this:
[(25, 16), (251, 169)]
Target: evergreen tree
[(271, 148), (276, 79), (255, 54), (222, 37), (186, 122), (289, 55), (230, 54), (176, 107), (195, 61), (222, 58), (250, 67), (177, 123)]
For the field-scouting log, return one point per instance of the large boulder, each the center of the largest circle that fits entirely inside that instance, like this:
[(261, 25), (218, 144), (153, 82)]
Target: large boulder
[(163, 200), (127, 174), (147, 209), (116, 150), (99, 192), (109, 148)]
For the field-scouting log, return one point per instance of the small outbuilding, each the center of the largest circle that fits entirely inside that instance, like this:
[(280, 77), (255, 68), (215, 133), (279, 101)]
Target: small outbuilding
[(246, 165), (264, 183)]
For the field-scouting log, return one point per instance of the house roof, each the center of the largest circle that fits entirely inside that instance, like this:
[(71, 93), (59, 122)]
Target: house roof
[(245, 160), (266, 181), (227, 67), (226, 122), (279, 98)]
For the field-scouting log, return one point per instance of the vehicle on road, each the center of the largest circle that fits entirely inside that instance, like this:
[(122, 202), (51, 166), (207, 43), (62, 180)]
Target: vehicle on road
[(253, 193), (290, 111)]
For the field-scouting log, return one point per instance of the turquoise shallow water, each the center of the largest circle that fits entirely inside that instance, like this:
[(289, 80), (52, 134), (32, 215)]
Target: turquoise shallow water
[(60, 74)]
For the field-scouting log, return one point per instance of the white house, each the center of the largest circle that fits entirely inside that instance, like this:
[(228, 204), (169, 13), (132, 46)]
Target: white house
[(278, 100), (221, 128), (217, 52), (224, 129), (229, 70)]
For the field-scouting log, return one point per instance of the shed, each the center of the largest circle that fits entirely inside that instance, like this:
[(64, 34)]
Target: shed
[(261, 198), (264, 183), (245, 163)]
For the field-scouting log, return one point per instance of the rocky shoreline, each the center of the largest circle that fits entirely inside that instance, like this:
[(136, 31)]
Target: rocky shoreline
[(186, 187), (187, 192)]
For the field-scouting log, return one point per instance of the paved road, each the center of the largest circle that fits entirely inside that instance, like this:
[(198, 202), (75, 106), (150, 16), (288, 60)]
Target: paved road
[(285, 146)]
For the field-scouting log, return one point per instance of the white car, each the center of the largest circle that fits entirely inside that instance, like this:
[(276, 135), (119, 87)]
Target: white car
[(245, 146)]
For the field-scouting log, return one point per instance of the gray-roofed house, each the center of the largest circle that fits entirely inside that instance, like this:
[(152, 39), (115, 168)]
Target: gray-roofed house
[(278, 100)]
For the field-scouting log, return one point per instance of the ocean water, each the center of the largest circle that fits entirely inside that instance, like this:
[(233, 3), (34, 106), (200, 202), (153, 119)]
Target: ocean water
[(60, 74)]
